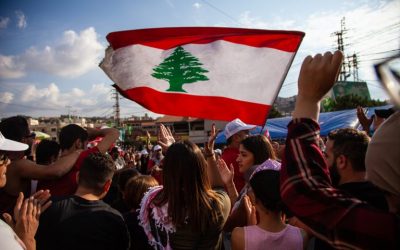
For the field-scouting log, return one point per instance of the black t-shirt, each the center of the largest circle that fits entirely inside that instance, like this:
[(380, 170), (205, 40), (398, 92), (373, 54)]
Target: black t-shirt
[(76, 223), (139, 239)]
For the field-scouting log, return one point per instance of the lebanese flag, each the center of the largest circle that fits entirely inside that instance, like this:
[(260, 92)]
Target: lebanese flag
[(205, 72)]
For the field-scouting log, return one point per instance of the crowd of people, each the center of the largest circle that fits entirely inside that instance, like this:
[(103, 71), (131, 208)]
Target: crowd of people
[(339, 192)]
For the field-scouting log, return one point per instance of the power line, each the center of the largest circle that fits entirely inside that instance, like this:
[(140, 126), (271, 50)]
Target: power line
[(380, 44), (367, 37), (378, 53), (220, 11)]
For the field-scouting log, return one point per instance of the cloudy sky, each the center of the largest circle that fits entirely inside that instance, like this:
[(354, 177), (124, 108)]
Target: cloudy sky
[(50, 50)]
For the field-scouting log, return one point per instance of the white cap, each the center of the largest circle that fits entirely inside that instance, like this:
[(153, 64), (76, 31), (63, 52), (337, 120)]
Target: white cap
[(218, 151), (144, 152), (235, 126), (157, 147), (10, 145)]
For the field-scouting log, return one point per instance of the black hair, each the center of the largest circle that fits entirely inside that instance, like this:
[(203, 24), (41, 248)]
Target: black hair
[(351, 143), (70, 133), (97, 168), (45, 150), (15, 128), (121, 177), (265, 185)]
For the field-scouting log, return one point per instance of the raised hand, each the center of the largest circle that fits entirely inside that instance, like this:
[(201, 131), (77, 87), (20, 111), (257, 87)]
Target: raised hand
[(363, 119), (148, 136), (250, 211), (26, 216), (43, 197), (209, 147), (225, 172), (317, 76), (165, 137)]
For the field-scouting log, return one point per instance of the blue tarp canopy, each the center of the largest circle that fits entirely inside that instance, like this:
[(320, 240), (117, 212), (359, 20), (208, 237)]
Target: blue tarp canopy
[(328, 121)]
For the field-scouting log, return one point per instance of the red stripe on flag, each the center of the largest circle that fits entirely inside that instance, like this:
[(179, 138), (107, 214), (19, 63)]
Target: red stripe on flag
[(167, 38), (208, 107)]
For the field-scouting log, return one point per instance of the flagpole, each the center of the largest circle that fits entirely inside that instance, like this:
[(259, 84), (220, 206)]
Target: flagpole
[(283, 79)]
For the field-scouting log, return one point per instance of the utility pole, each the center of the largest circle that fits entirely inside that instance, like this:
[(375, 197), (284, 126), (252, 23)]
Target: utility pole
[(115, 95), (355, 67), (69, 112), (343, 72)]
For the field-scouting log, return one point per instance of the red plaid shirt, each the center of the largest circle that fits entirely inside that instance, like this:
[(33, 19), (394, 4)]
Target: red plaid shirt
[(343, 221)]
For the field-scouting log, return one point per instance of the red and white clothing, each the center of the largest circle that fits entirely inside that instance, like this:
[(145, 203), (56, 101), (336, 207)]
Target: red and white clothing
[(67, 184)]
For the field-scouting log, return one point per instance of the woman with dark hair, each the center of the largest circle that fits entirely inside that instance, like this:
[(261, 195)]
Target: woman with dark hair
[(135, 189), (190, 209), (254, 152), (270, 232)]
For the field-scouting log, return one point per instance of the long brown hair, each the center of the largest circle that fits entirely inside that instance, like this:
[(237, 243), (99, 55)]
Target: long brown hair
[(187, 188)]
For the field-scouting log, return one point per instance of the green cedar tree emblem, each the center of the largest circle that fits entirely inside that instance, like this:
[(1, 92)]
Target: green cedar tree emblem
[(181, 67)]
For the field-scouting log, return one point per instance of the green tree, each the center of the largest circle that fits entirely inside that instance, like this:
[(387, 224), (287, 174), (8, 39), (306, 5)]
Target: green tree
[(181, 67), (349, 102), (274, 113)]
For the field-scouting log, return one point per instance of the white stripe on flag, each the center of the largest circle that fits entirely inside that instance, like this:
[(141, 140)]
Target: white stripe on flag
[(235, 71)]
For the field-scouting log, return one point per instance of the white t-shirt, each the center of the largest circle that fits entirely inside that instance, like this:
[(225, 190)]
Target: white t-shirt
[(8, 239)]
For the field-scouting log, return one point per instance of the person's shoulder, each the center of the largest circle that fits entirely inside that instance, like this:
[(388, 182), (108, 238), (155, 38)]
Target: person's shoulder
[(22, 163), (108, 210), (61, 202), (88, 151), (220, 192), (238, 238), (238, 231)]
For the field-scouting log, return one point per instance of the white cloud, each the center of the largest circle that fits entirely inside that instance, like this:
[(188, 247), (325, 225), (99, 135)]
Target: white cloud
[(78, 92), (197, 5), (100, 89), (21, 19), (73, 55), (53, 98), (4, 22), (6, 97), (372, 31), (10, 67)]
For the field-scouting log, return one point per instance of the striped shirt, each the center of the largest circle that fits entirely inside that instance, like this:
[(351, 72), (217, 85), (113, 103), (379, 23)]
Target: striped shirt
[(334, 216)]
